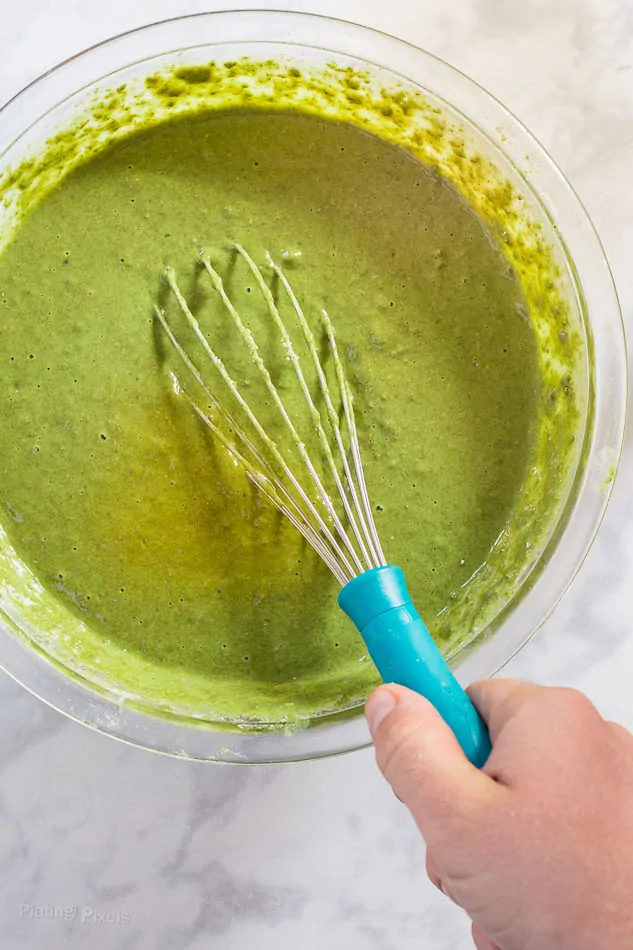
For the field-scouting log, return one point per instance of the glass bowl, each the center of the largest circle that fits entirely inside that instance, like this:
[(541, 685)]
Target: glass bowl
[(47, 104)]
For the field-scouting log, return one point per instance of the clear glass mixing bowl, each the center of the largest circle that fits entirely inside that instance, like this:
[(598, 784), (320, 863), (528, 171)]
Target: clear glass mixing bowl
[(31, 117)]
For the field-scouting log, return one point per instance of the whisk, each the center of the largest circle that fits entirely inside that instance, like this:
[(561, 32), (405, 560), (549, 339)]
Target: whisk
[(374, 593)]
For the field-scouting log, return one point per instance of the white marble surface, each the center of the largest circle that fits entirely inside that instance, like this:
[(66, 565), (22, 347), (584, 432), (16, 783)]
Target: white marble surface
[(316, 855)]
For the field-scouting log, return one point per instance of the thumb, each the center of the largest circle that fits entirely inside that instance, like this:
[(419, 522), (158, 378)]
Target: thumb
[(424, 764)]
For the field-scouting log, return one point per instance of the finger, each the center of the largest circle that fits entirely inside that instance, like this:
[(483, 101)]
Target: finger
[(481, 941), (438, 879), (424, 764), (433, 872), (498, 700)]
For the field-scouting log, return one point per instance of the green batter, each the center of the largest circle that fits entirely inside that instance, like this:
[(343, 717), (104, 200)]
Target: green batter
[(193, 592)]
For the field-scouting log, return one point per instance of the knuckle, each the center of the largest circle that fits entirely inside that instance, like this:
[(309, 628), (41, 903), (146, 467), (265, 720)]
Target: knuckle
[(573, 701), (559, 701)]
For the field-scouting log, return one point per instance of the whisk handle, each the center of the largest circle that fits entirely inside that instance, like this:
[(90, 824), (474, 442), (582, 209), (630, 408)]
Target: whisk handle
[(404, 652)]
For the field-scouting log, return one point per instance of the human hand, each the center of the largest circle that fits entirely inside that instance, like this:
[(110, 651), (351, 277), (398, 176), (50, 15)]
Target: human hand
[(537, 847)]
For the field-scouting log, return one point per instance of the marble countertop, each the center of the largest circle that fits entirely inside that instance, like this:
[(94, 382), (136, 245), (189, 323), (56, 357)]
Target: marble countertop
[(195, 857)]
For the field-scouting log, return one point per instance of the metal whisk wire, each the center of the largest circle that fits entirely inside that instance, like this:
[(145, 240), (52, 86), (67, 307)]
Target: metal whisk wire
[(349, 547), (374, 594)]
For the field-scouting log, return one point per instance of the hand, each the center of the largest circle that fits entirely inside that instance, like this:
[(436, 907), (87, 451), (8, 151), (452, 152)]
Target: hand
[(538, 846)]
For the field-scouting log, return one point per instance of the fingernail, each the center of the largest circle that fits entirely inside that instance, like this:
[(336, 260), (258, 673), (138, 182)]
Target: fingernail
[(377, 707)]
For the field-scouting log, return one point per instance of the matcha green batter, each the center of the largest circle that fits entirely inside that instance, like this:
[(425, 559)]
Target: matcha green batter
[(194, 592)]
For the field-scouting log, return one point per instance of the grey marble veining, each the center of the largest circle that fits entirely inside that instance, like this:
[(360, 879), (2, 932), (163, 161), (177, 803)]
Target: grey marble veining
[(193, 857)]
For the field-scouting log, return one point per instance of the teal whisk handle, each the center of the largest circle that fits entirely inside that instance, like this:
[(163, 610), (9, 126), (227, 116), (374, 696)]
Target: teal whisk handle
[(404, 652)]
